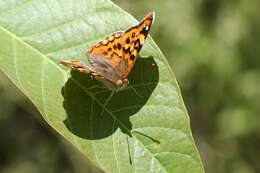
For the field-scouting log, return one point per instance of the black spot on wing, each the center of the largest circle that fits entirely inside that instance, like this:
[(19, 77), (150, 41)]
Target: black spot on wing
[(137, 42), (138, 45), (115, 47), (138, 48), (144, 31), (127, 40), (132, 57), (137, 26), (119, 46), (109, 49), (126, 51)]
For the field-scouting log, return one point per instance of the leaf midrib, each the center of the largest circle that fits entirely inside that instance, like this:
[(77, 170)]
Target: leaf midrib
[(84, 89)]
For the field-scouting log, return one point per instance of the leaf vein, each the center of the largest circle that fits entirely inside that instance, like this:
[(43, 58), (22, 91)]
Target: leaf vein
[(126, 108), (192, 158), (135, 86), (15, 64), (161, 127), (114, 150), (42, 89), (91, 132)]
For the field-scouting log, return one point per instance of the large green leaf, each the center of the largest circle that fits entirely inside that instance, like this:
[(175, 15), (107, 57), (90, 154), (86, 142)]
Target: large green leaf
[(134, 135)]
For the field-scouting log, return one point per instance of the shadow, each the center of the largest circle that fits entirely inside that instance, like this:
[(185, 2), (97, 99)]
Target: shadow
[(149, 137), (84, 113)]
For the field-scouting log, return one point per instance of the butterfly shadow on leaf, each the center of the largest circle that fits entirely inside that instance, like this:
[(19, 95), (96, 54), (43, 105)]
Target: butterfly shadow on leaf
[(83, 106)]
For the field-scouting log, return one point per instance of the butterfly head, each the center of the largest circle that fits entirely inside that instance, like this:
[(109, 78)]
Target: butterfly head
[(122, 84)]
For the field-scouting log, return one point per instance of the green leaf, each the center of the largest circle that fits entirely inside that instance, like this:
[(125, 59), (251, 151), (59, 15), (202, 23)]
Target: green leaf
[(134, 135)]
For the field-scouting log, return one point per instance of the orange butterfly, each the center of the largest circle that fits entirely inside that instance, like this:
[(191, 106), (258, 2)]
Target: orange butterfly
[(113, 58)]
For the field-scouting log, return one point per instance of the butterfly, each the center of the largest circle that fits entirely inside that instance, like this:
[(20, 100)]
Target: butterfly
[(113, 58)]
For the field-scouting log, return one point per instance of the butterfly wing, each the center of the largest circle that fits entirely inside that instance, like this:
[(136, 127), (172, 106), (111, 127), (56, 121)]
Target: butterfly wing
[(133, 40), (105, 67), (108, 52), (114, 57), (121, 49), (101, 72), (105, 57)]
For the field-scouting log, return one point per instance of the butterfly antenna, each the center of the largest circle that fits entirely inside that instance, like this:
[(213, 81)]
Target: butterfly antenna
[(107, 100)]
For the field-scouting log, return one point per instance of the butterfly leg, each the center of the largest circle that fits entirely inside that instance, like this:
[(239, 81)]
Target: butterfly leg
[(107, 100), (136, 93), (95, 86)]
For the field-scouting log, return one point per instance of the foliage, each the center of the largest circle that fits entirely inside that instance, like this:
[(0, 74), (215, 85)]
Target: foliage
[(213, 47), (134, 135)]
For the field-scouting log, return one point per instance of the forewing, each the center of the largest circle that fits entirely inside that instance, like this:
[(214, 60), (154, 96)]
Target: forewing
[(114, 57), (108, 52), (133, 40), (82, 67)]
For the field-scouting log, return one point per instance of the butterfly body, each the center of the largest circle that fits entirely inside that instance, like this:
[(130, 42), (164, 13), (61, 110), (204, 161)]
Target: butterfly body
[(113, 58)]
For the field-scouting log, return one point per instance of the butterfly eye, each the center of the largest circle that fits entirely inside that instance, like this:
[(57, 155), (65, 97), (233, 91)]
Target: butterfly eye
[(119, 83), (133, 35)]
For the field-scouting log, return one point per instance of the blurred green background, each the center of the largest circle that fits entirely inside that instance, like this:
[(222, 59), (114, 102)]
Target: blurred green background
[(213, 47)]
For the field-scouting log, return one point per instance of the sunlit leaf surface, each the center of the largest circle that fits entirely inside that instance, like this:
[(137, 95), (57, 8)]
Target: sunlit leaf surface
[(134, 135)]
